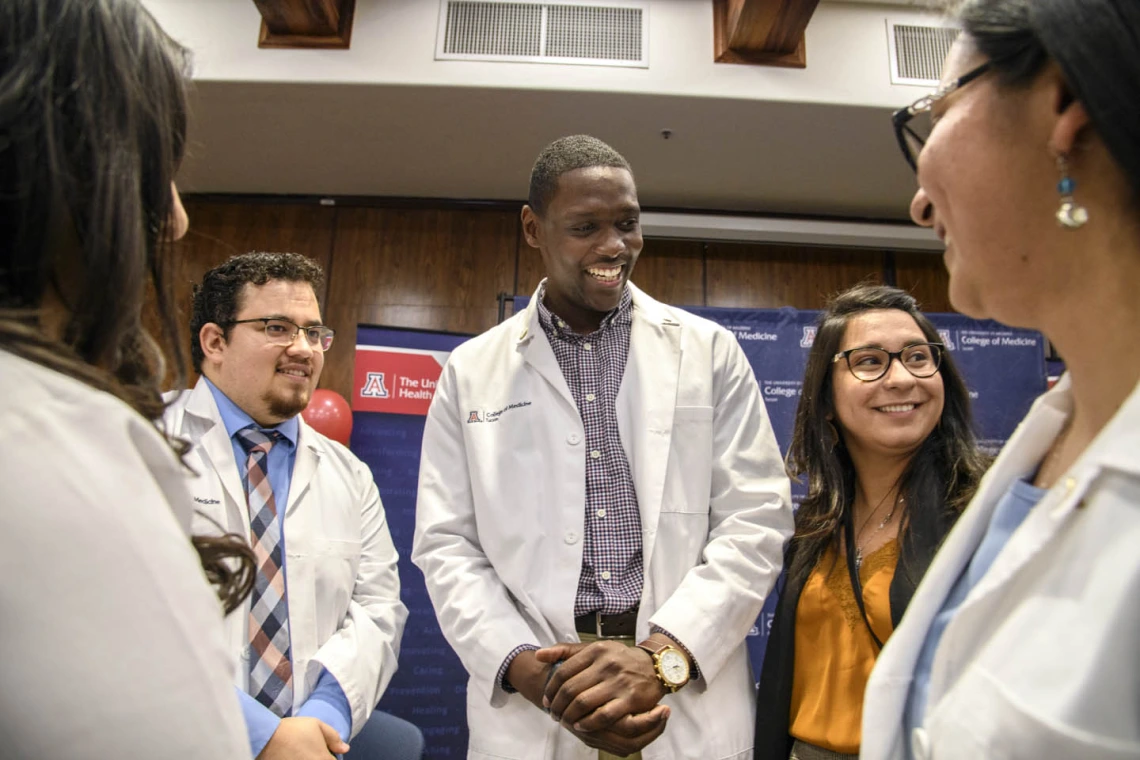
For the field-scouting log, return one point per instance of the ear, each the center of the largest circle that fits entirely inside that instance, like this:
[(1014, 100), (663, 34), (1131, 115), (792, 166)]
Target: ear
[(1071, 117), (532, 227), (212, 339)]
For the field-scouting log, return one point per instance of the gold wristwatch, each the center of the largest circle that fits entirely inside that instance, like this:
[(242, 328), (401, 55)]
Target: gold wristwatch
[(671, 665)]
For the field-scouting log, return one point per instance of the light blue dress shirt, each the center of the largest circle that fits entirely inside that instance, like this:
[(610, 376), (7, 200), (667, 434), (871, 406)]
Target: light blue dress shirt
[(327, 702), (1010, 512)]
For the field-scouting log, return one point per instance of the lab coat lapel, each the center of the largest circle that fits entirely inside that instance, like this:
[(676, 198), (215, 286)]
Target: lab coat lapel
[(645, 405), (536, 351), (207, 432), (304, 466)]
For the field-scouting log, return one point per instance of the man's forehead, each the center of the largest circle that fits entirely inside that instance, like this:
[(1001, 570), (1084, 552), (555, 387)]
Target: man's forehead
[(595, 187), (282, 293)]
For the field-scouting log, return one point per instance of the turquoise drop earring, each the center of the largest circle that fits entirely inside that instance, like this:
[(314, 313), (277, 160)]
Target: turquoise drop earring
[(1071, 215)]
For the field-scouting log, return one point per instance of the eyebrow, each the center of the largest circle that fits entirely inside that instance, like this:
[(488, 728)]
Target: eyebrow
[(593, 213), (284, 318), (880, 346)]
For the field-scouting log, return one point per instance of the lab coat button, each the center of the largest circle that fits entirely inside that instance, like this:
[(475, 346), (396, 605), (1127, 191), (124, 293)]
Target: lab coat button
[(920, 744), (245, 653), (571, 537), (573, 439)]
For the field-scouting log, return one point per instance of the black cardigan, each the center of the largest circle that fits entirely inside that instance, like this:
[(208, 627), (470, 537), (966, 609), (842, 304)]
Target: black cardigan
[(774, 698)]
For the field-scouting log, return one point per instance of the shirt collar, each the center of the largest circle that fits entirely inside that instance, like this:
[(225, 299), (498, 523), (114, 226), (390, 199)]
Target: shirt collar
[(235, 419), (551, 322)]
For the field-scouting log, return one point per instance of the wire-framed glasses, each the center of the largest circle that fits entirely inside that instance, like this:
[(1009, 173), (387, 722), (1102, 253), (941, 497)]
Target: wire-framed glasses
[(913, 123), (282, 332), (869, 363)]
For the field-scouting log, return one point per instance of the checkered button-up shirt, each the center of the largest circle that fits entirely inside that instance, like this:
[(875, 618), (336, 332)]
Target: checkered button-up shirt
[(593, 365)]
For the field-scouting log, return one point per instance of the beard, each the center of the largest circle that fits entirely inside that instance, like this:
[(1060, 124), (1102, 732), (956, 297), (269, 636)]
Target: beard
[(286, 407)]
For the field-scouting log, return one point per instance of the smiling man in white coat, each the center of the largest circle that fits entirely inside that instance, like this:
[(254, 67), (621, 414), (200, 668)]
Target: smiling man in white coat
[(318, 640), (602, 505)]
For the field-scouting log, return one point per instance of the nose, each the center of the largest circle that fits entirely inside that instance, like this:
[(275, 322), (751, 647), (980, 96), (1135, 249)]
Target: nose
[(921, 209), (898, 375), (300, 346), (613, 245)]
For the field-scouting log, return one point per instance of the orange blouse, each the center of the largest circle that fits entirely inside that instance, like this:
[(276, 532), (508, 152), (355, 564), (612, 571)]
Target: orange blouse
[(834, 652)]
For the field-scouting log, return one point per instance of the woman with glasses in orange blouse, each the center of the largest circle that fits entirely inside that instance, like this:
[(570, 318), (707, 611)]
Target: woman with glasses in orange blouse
[(883, 437)]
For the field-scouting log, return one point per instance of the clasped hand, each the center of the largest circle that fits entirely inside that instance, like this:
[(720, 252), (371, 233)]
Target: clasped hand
[(606, 694)]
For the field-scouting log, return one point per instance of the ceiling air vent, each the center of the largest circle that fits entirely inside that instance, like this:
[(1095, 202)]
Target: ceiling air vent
[(917, 52), (610, 34)]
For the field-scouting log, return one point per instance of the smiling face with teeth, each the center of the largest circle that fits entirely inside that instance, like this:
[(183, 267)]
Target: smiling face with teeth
[(589, 236), (894, 414), (270, 383)]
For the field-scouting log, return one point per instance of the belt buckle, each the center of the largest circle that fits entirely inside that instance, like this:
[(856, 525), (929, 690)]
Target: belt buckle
[(598, 625)]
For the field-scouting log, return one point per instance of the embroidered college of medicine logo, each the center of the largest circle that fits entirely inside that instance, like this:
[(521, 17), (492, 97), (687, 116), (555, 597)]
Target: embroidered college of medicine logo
[(809, 336), (374, 386), (474, 417), (945, 336)]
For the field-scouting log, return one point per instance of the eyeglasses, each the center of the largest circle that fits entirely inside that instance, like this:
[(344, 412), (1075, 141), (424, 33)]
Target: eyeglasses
[(282, 332), (869, 364), (913, 123)]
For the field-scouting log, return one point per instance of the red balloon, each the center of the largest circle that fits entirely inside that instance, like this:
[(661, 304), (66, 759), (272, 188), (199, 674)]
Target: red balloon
[(329, 414)]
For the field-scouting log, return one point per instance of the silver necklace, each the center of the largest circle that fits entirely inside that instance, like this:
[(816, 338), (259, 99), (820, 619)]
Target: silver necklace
[(881, 525)]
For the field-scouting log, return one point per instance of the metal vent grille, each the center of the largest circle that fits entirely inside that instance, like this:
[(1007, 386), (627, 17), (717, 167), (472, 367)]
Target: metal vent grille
[(917, 52), (565, 32)]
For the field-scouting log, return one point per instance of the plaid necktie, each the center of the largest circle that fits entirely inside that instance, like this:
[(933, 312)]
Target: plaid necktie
[(270, 669)]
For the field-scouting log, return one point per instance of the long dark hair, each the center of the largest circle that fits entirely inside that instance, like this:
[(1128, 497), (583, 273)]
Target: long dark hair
[(92, 130), (1096, 43), (937, 483)]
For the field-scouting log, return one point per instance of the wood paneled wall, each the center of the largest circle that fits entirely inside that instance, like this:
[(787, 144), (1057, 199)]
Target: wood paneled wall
[(442, 268)]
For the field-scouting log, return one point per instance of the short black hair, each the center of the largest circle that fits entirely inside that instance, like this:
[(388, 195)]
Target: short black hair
[(217, 299), (565, 155)]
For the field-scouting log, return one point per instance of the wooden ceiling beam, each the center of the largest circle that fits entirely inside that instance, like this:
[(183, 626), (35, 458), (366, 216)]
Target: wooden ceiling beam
[(305, 23), (768, 32)]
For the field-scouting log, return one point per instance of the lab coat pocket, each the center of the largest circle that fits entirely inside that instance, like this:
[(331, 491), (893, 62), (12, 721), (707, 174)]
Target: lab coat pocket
[(335, 563), (984, 717), (689, 478)]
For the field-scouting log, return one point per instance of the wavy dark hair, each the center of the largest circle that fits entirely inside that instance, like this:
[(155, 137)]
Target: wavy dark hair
[(1094, 42), (218, 298), (92, 129), (937, 483)]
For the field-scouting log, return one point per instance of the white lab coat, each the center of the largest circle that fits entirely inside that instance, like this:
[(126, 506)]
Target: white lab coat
[(1042, 660), (111, 642), (502, 506), (345, 612)]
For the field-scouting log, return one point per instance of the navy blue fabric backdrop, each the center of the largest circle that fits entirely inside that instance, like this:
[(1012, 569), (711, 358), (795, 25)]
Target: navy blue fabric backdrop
[(1004, 369)]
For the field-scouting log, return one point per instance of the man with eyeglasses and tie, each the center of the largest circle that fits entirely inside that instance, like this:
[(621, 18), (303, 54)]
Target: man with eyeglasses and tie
[(318, 638)]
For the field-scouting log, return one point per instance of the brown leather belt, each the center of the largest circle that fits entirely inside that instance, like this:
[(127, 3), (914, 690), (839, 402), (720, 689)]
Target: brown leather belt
[(622, 625)]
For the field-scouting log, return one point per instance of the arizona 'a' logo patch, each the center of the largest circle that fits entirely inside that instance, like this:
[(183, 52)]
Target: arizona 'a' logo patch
[(374, 386), (808, 337), (474, 417)]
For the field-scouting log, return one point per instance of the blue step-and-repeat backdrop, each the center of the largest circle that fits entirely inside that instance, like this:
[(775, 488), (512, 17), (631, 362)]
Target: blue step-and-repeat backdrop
[(395, 376)]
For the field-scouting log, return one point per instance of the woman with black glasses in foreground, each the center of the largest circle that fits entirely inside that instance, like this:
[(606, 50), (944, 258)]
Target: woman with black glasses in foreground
[(883, 436), (1023, 640)]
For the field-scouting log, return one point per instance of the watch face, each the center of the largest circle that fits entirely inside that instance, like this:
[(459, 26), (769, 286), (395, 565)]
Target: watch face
[(674, 669)]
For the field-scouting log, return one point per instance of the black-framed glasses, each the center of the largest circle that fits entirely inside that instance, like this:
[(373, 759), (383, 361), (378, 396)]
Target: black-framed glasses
[(869, 363), (913, 123), (282, 332)]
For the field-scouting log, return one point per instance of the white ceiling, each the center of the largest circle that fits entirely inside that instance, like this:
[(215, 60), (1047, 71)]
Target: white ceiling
[(384, 119), (431, 142)]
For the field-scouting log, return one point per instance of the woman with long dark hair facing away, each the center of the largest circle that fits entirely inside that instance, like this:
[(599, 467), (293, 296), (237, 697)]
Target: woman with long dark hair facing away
[(883, 438), (1023, 639), (112, 638)]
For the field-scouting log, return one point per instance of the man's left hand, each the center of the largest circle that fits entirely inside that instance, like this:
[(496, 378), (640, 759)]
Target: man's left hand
[(600, 683)]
